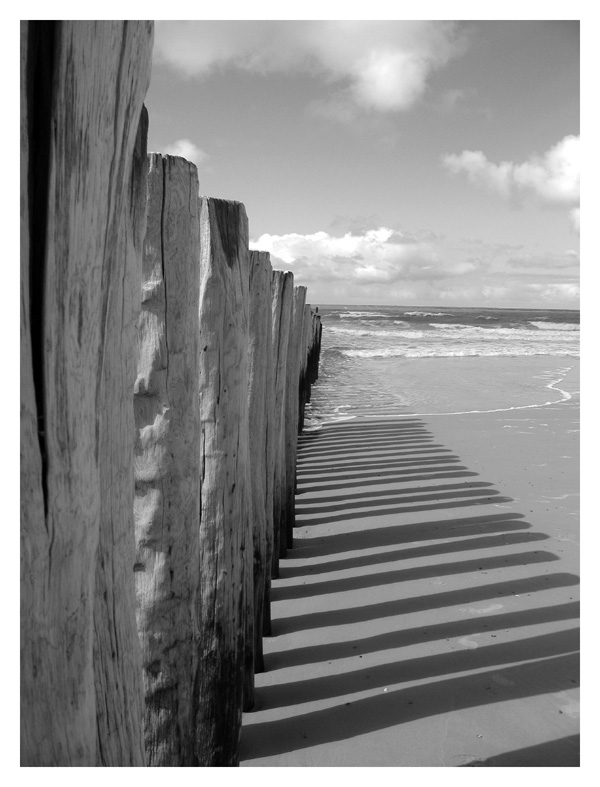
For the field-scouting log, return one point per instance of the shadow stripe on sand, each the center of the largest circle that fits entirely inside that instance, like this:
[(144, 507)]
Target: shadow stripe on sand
[(400, 706)]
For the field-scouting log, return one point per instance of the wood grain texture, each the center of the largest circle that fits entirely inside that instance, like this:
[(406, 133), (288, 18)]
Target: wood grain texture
[(260, 397), (81, 133), (35, 539), (294, 363), (117, 653), (167, 462), (282, 288), (226, 573)]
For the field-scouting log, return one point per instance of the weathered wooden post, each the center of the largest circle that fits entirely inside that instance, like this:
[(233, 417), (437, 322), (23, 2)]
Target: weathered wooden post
[(225, 536), (82, 89), (260, 406), (303, 386), (291, 412), (315, 349), (310, 369), (167, 462), (117, 656), (282, 292)]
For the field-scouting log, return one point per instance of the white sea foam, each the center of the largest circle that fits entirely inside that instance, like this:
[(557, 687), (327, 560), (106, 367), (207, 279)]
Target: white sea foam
[(427, 314), (410, 334), (520, 332), (555, 326), (454, 352), (358, 315)]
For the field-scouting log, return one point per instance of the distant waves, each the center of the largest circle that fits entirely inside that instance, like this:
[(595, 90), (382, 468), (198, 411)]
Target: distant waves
[(386, 361)]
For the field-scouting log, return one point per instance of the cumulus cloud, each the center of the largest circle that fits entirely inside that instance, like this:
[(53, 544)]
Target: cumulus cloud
[(378, 256), (551, 179), (373, 65), (554, 292), (386, 265), (187, 150)]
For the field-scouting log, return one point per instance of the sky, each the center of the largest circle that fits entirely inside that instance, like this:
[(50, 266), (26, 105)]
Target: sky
[(387, 162)]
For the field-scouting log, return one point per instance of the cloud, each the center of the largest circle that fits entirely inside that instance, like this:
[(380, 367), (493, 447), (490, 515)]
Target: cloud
[(383, 265), (378, 256), (372, 65), (187, 150), (551, 179), (570, 259)]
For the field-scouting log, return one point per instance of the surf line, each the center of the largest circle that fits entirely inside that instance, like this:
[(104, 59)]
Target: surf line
[(552, 386)]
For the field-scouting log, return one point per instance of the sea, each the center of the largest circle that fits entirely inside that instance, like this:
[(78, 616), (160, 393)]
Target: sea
[(386, 361)]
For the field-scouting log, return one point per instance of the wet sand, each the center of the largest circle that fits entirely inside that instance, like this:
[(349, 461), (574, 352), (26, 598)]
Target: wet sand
[(428, 613)]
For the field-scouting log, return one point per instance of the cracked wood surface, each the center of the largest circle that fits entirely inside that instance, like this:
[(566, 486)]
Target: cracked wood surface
[(78, 135), (167, 462), (282, 289), (225, 598), (260, 407), (292, 404)]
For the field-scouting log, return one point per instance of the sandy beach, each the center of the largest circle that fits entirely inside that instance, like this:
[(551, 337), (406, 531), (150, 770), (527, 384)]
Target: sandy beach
[(428, 612)]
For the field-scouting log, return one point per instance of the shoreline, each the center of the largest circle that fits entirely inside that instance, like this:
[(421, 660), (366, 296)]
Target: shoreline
[(408, 387)]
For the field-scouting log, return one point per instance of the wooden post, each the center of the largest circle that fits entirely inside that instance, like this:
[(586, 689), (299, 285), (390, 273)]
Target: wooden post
[(82, 88), (291, 413), (224, 609), (282, 291), (315, 349), (167, 463), (117, 654), (260, 406), (303, 387)]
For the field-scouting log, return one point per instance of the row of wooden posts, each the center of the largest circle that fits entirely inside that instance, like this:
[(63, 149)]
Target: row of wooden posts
[(165, 370)]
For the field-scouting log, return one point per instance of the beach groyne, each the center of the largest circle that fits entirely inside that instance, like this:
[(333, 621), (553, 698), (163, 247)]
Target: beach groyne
[(165, 368)]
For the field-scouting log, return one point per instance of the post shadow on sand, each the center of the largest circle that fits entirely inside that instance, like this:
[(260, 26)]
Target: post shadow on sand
[(410, 553), (396, 534), (379, 448), (404, 637), (349, 457), (340, 504), (303, 506), (424, 668), (394, 476), (335, 472), (560, 753), (409, 605), (383, 710), (483, 564)]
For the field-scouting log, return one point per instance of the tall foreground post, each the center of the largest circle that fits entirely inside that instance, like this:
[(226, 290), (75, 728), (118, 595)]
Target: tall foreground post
[(225, 602), (82, 91), (167, 462)]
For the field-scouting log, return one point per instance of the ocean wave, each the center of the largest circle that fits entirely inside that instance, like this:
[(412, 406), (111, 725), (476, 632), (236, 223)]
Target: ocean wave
[(454, 352), (358, 315), (427, 314), (555, 326), (411, 334), (520, 332)]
